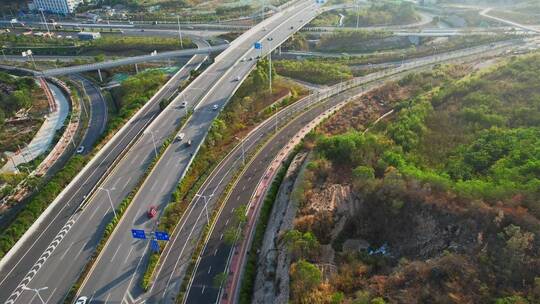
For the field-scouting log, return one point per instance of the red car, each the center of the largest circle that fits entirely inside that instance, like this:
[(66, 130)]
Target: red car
[(151, 212)]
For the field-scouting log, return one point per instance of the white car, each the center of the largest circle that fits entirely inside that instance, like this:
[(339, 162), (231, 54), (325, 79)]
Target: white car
[(180, 136), (237, 78), (215, 107), (243, 60), (80, 150), (82, 300), (183, 104)]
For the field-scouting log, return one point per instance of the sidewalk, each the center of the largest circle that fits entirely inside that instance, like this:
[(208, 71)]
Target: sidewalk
[(45, 135)]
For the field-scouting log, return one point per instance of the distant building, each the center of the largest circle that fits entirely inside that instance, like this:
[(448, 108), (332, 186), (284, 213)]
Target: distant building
[(56, 6), (88, 35)]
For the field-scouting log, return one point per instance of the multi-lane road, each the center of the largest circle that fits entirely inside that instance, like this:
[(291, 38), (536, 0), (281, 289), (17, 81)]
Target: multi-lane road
[(216, 254), (48, 255), (97, 112), (105, 283)]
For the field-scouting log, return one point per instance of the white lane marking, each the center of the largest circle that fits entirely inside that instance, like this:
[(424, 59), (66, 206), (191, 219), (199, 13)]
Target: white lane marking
[(47, 301), (93, 213), (127, 182), (203, 288), (209, 269), (215, 252), (66, 251), (227, 222), (136, 270), (221, 236), (108, 296), (44, 256), (153, 186), (117, 249), (129, 253)]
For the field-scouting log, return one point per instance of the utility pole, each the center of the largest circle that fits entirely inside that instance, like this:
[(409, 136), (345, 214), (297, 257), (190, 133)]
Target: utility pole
[(179, 31)]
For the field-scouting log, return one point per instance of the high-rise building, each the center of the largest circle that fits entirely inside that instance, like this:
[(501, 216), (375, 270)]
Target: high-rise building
[(57, 6)]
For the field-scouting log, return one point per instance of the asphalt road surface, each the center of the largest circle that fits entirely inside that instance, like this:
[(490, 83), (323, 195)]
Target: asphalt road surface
[(121, 283), (65, 253), (216, 253), (97, 113)]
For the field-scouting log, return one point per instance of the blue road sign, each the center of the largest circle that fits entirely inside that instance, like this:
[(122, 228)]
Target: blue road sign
[(258, 45), (161, 235), (154, 245), (138, 234)]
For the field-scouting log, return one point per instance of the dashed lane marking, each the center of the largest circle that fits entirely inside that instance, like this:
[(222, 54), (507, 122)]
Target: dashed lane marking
[(43, 258)]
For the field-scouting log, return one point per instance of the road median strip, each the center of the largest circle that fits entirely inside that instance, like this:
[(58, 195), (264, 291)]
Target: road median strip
[(110, 228)]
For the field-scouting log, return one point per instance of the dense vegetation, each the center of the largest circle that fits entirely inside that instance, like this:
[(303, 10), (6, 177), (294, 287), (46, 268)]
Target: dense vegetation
[(378, 13), (360, 41), (133, 94), (446, 193), (314, 72), (109, 44), (251, 104), (23, 95)]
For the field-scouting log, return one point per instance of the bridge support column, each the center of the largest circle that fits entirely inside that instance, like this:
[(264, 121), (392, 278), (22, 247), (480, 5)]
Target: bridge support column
[(100, 77), (136, 69)]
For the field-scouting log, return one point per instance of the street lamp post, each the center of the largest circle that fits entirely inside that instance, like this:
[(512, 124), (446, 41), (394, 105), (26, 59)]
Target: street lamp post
[(276, 120), (153, 140), (357, 13), (205, 198), (179, 31), (28, 53), (3, 53), (110, 199), (45, 21), (270, 69), (243, 151), (36, 290)]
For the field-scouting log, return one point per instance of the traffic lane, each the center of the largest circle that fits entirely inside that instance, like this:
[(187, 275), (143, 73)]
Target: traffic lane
[(17, 268), (172, 268), (136, 218), (215, 256), (92, 225), (57, 222), (141, 202), (216, 253), (195, 121), (97, 114)]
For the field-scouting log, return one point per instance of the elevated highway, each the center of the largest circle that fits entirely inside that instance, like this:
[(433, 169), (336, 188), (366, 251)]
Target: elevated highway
[(218, 84)]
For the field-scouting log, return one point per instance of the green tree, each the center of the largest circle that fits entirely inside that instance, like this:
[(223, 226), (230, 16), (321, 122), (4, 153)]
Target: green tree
[(304, 278), (512, 300)]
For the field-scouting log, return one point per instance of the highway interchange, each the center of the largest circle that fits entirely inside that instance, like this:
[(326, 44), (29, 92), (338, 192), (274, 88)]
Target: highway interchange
[(110, 284), (80, 243), (115, 275)]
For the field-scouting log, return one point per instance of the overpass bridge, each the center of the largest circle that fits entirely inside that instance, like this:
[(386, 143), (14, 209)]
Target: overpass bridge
[(130, 60), (485, 13)]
